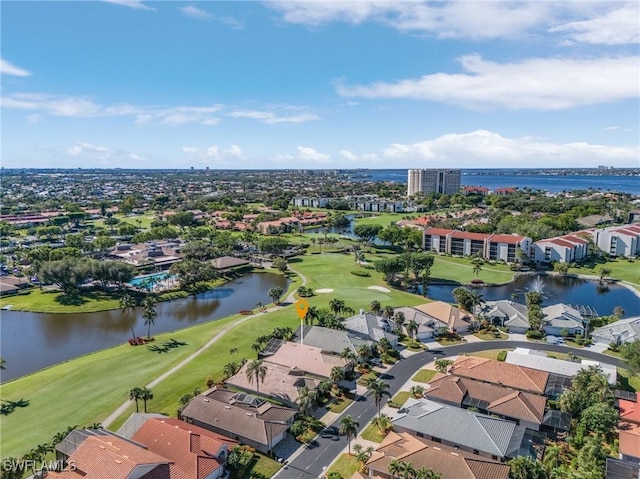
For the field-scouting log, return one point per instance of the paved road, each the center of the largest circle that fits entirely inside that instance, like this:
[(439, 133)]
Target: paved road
[(310, 463)]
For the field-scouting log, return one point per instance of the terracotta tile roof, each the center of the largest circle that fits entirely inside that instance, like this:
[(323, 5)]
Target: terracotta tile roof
[(470, 236), (501, 400), (438, 231), (306, 358), (629, 410), (191, 448), (449, 462), (630, 439), (509, 239), (498, 372)]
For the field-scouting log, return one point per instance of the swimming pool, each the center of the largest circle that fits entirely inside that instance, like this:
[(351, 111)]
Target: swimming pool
[(149, 279)]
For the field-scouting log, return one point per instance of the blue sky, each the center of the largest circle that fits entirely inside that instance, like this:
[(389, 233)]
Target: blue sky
[(480, 84)]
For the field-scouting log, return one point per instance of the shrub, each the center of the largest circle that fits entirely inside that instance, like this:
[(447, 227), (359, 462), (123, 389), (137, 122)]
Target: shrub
[(334, 475), (534, 334), (502, 355), (364, 274)]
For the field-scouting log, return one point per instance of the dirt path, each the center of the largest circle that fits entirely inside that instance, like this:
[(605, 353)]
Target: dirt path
[(125, 405)]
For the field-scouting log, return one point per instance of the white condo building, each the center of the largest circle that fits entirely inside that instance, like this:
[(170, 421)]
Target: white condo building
[(446, 182)]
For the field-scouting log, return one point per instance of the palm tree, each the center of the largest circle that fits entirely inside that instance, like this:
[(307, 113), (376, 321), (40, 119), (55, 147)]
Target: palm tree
[(412, 328), (384, 346), (336, 306), (256, 369), (375, 307), (383, 423), (233, 351), (477, 269), (306, 401), (337, 375), (135, 395), (275, 294), (364, 352), (387, 312), (378, 389), (127, 303), (395, 467), (426, 473), (604, 272), (399, 319), (349, 428), (149, 313), (146, 395), (408, 470)]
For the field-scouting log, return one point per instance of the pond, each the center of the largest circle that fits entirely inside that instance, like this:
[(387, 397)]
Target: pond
[(345, 231), (575, 291), (32, 341)]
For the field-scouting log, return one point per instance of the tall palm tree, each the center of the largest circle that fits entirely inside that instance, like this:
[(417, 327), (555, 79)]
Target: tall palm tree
[(395, 467), (311, 315), (256, 369), (149, 313), (426, 473), (349, 428), (387, 312), (412, 328), (383, 423), (336, 306), (337, 375), (306, 401), (233, 351), (135, 395), (375, 307), (408, 470), (477, 269), (378, 389), (127, 303), (275, 293), (399, 319), (146, 395)]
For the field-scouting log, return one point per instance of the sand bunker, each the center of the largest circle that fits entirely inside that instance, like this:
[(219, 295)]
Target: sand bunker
[(324, 290), (380, 288)]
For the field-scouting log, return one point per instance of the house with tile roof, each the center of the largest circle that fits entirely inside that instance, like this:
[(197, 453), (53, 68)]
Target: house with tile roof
[(428, 326), (558, 317), (505, 313), (240, 416), (332, 340), (453, 318), (501, 373), (524, 408), (621, 241), (629, 409), (629, 441), (486, 436), (370, 326), (449, 462), (563, 249), (620, 332)]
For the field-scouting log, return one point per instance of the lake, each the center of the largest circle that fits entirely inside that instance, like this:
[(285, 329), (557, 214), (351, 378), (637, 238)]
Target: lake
[(574, 291), (32, 341)]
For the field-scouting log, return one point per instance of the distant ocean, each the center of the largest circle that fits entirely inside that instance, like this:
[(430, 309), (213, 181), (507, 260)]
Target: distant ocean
[(493, 180)]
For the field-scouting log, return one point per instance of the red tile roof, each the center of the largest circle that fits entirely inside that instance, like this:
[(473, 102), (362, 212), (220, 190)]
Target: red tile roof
[(438, 231), (630, 439), (470, 236), (192, 448), (629, 410), (509, 239)]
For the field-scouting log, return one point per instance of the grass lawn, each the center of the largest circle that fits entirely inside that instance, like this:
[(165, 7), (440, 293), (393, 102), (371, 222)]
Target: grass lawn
[(621, 269), (461, 270), (491, 336), (365, 378), (372, 433), (628, 382), (401, 397), (346, 465), (424, 375), (264, 467), (340, 404), (384, 219), (145, 221), (449, 342), (489, 354)]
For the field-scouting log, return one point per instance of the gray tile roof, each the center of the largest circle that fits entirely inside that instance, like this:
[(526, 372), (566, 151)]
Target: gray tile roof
[(625, 330), (369, 326), (331, 340), (514, 314), (472, 430), (562, 316)]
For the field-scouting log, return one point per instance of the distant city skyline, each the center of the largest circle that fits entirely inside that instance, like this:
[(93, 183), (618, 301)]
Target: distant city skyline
[(320, 85)]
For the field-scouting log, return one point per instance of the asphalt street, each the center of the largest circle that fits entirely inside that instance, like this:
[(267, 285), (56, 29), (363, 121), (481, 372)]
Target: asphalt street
[(311, 461)]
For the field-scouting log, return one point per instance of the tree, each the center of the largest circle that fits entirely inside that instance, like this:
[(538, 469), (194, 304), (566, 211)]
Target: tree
[(442, 365), (135, 395), (408, 470), (192, 274), (395, 467), (127, 304), (464, 298), (258, 371), (600, 418), (533, 298), (233, 351), (419, 263), (524, 467), (477, 269), (275, 293), (349, 428), (425, 472), (604, 272), (67, 274), (590, 386), (280, 264), (412, 328), (275, 246), (367, 233), (306, 401), (389, 267), (383, 423), (146, 395), (337, 375), (149, 313), (182, 219), (311, 315), (631, 354), (399, 319), (378, 389), (375, 307), (336, 306), (618, 312)]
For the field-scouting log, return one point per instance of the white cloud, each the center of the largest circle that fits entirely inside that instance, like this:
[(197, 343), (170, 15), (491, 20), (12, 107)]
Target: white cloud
[(235, 151), (537, 83), (348, 155), (488, 149), (135, 4), (195, 12), (103, 155), (189, 149), (306, 153), (7, 68), (84, 107), (272, 118), (81, 148), (213, 151), (616, 27)]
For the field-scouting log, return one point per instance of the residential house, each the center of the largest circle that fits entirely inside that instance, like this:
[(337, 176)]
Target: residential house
[(618, 240), (630, 409), (333, 340), (243, 417), (502, 373), (524, 408), (562, 249), (453, 318), (475, 190), (560, 317), (629, 441), (619, 332), (449, 462), (486, 436), (371, 327), (428, 326), (505, 313)]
